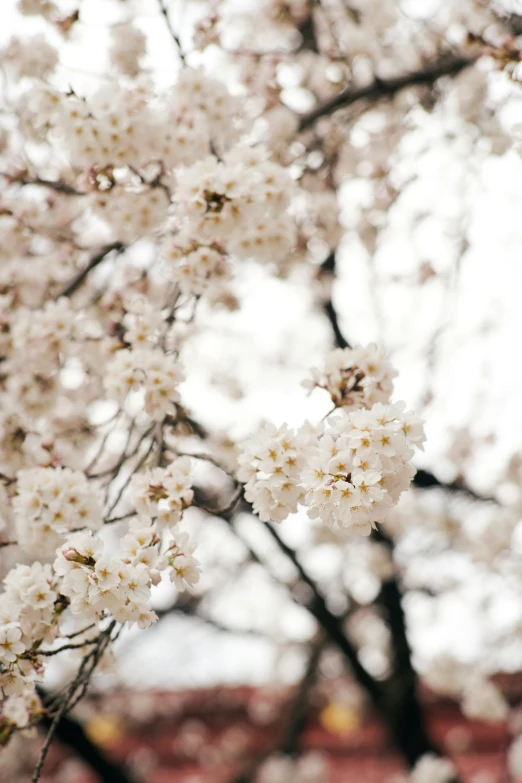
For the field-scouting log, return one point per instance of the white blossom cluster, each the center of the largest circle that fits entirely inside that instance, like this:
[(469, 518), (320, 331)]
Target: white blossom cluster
[(348, 474), (128, 47), (19, 711), (119, 586), (163, 493), (85, 581), (90, 584), (432, 769), (52, 502), (311, 767), (124, 126), (483, 700), (195, 266), (31, 58), (239, 202), (155, 373), (184, 567), (360, 466), (131, 214), (40, 336), (29, 613), (270, 467), (355, 377), (143, 323)]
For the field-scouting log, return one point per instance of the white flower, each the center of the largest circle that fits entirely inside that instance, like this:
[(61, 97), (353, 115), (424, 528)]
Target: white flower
[(358, 469), (355, 377), (163, 493), (128, 46), (31, 57), (482, 700), (20, 710), (432, 769), (270, 464), (515, 757), (10, 644), (50, 502), (158, 374), (185, 570)]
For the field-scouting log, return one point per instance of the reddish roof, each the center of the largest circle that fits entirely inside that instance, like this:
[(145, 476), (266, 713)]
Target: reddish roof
[(208, 735)]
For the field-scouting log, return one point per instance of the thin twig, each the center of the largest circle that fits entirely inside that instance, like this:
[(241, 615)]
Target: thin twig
[(81, 680), (7, 543), (77, 281), (173, 34), (140, 464), (56, 185), (78, 633), (78, 646), (112, 520), (101, 448), (225, 509)]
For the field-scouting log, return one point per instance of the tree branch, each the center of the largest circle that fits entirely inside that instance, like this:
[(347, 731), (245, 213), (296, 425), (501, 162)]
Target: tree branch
[(395, 700), (171, 30), (69, 699), (295, 718), (330, 623), (56, 185), (71, 733), (77, 281), (387, 88), (328, 272)]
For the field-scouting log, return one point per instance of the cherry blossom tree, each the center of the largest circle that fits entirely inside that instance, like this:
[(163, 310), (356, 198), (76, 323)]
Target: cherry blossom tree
[(196, 152)]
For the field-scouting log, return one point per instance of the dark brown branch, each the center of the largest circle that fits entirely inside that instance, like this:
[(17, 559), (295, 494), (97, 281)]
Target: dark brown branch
[(396, 700), (331, 624), (317, 606), (296, 720), (423, 479), (400, 699), (71, 733), (328, 273), (76, 282), (387, 88), (56, 185)]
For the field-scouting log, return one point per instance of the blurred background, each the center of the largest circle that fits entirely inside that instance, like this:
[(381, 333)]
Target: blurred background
[(416, 243)]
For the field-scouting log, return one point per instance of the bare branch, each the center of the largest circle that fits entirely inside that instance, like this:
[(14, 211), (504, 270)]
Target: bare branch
[(139, 465), (387, 88), (173, 34), (328, 268), (72, 733), (49, 653), (76, 282), (81, 681), (225, 509), (56, 185)]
